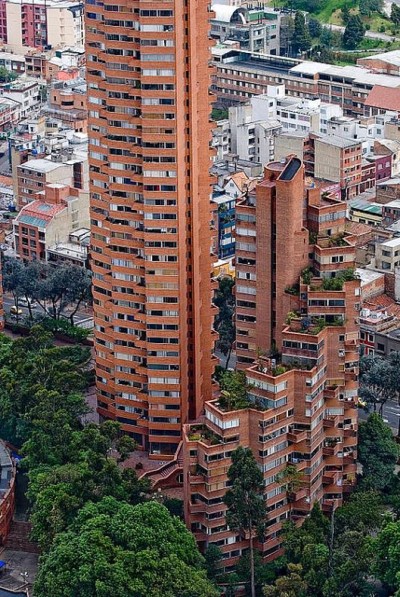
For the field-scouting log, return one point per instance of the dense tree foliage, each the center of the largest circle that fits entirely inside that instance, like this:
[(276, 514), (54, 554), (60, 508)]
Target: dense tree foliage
[(245, 500), (329, 558), (378, 453), (314, 28), (113, 548), (395, 14), (353, 33), (379, 380), (53, 288), (91, 517), (224, 325), (40, 387), (301, 41)]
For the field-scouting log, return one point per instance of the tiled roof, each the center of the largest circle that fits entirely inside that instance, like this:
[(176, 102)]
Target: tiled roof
[(39, 214), (357, 228), (384, 301), (385, 98)]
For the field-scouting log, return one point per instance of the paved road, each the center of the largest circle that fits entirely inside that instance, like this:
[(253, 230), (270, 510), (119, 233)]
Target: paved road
[(391, 415), (371, 34), (80, 315)]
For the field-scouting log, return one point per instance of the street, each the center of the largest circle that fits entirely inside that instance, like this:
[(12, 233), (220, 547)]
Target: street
[(391, 415), (81, 315), (371, 34)]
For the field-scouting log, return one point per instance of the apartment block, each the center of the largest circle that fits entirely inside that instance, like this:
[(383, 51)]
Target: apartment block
[(67, 103), (41, 24), (62, 166), (297, 323), (26, 92), (240, 75), (48, 221), (339, 160), (148, 75), (254, 29)]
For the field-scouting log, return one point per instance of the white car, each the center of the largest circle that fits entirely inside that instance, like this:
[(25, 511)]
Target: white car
[(24, 302)]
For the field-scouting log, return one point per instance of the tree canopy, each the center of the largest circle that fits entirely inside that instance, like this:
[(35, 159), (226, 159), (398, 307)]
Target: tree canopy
[(378, 453), (245, 499), (53, 288), (301, 41), (379, 379), (224, 324), (113, 548), (353, 33)]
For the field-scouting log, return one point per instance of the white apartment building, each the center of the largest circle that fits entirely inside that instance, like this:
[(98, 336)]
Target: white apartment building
[(255, 126), (26, 92)]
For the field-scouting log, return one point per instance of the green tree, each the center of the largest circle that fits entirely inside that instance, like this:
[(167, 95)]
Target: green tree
[(233, 390), (212, 556), (292, 479), (62, 286), (379, 380), (114, 548), (6, 75), (386, 548), (13, 280), (326, 37), (367, 7), (353, 33), (345, 14), (314, 28), (377, 452), (80, 469), (36, 377), (301, 41), (245, 500), (335, 556), (225, 301), (290, 585), (395, 14)]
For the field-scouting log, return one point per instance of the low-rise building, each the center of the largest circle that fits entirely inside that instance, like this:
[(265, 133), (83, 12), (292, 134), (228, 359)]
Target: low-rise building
[(64, 166), (42, 229), (26, 92), (387, 255), (41, 24), (15, 63), (365, 212), (255, 29), (240, 75)]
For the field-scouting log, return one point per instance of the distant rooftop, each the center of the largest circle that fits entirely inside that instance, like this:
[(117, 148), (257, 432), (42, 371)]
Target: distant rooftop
[(359, 204), (42, 165), (367, 276), (338, 141)]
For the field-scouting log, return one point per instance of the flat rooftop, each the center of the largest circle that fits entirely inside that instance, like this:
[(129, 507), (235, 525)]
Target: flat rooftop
[(367, 276)]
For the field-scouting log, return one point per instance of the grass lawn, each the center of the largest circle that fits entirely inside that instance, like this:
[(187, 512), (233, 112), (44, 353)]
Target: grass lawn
[(330, 14)]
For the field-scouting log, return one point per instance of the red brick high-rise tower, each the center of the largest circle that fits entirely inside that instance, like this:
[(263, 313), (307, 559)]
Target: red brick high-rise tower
[(297, 337), (148, 77)]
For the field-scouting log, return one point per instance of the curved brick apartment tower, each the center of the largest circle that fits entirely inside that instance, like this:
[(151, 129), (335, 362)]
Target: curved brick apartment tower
[(148, 77)]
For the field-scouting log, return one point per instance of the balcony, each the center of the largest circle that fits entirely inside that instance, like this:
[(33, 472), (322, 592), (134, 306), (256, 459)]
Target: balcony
[(349, 432), (301, 464), (296, 435), (331, 477), (330, 505), (332, 448), (330, 421)]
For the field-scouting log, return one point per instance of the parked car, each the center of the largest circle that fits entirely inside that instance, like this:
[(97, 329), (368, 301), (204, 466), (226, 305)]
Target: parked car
[(16, 310)]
